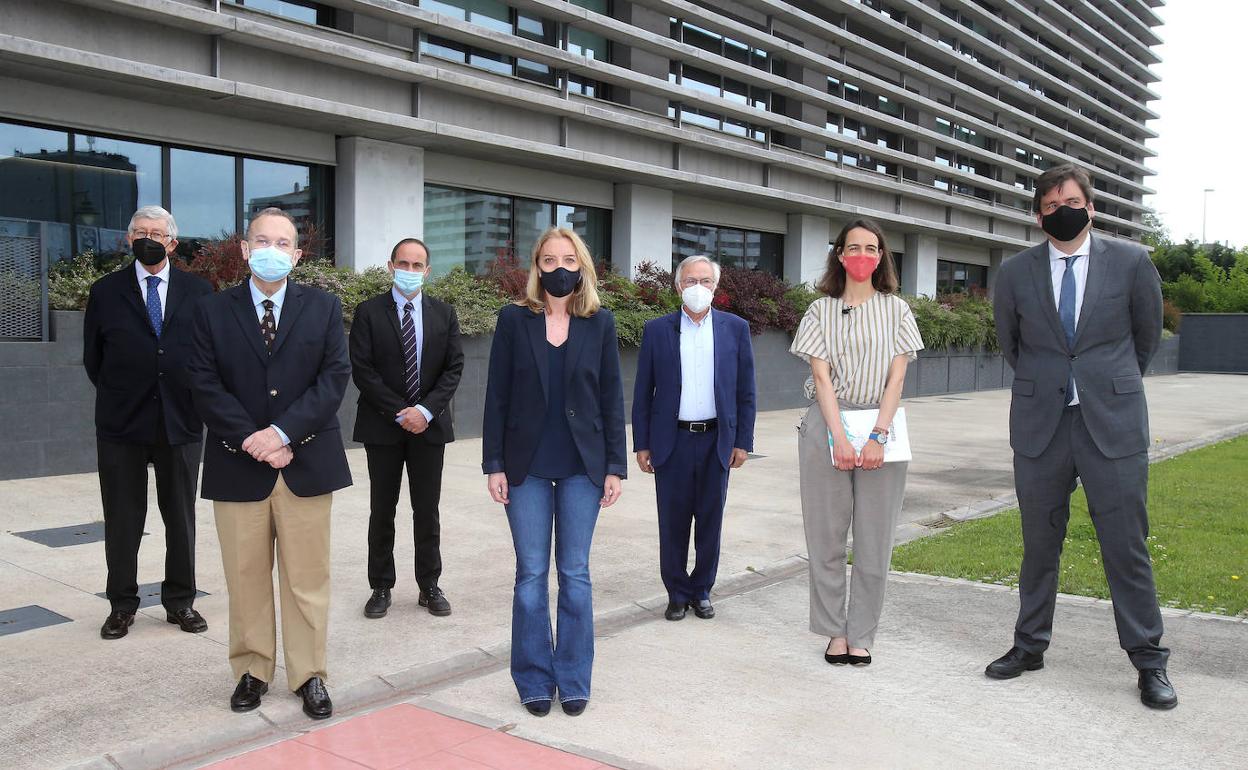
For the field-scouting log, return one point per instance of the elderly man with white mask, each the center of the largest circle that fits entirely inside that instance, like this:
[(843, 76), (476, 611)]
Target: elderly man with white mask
[(693, 421)]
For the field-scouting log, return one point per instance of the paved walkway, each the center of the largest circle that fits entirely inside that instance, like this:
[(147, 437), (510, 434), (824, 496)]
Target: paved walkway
[(160, 697)]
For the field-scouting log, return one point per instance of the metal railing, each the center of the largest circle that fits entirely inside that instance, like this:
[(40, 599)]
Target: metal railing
[(23, 288)]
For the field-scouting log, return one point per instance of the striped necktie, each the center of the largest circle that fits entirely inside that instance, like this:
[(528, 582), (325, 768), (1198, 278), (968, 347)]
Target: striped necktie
[(412, 380)]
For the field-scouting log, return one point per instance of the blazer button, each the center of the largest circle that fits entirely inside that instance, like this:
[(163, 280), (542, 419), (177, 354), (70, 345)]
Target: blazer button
[(160, 351), (273, 392), (1072, 358), (571, 412), (160, 374)]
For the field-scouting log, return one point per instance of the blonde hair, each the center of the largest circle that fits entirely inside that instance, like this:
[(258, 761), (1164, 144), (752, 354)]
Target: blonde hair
[(585, 301)]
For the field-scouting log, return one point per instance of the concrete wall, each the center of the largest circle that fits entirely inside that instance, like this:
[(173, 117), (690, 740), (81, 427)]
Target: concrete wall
[(1214, 342)]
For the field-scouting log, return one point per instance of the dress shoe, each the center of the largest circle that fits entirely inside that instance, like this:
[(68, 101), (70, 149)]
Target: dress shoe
[(675, 611), (247, 694), (1014, 663), (538, 708), (188, 620), (1156, 692), (378, 604), (574, 708), (117, 625), (858, 660), (316, 702), (702, 608), (436, 601)]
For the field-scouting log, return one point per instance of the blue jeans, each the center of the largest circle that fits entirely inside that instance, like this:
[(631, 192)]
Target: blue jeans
[(541, 663)]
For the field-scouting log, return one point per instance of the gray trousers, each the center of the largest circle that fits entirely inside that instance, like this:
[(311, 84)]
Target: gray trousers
[(833, 501), (1117, 492)]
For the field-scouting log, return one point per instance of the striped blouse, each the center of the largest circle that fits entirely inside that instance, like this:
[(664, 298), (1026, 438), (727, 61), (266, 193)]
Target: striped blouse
[(860, 345)]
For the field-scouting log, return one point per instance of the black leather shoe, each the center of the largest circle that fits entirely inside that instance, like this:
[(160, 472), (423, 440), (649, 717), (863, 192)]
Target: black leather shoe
[(538, 708), (858, 660), (247, 694), (378, 604), (117, 625), (316, 702), (574, 708), (436, 601), (188, 620), (1156, 692), (1014, 663), (702, 608), (675, 611)]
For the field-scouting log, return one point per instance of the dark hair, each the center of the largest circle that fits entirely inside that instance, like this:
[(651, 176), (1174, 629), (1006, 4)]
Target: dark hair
[(884, 279), (1056, 176), (395, 251)]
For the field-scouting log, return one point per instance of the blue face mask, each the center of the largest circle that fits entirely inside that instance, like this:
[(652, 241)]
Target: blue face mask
[(270, 264), (408, 281)]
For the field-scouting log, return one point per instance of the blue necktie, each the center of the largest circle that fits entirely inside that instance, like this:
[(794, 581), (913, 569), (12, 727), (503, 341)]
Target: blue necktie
[(1066, 311), (154, 313)]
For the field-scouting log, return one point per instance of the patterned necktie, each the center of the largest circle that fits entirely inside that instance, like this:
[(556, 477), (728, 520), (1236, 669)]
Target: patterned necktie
[(268, 326), (154, 313), (1066, 311), (409, 356)]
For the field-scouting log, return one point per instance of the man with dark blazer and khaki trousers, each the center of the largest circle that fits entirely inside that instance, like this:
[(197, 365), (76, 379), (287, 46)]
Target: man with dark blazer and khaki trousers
[(269, 371), (1079, 318)]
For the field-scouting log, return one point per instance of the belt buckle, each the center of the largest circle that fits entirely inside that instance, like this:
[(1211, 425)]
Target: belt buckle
[(697, 427)]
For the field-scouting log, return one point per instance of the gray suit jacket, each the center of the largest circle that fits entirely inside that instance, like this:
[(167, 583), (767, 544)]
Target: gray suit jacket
[(1118, 330)]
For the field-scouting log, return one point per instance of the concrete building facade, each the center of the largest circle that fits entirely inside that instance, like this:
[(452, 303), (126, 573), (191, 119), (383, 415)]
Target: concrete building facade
[(750, 129)]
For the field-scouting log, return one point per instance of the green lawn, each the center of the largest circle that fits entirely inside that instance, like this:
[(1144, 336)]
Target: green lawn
[(1198, 514)]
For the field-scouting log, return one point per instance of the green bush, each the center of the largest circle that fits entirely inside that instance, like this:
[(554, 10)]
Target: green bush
[(954, 321), (1210, 287), (476, 302), (69, 280), (350, 287)]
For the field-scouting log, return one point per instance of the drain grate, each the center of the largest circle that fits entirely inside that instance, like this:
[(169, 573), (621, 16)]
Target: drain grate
[(149, 595), (61, 537), (28, 618)]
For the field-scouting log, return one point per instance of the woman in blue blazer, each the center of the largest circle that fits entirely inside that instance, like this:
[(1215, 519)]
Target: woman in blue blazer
[(553, 446)]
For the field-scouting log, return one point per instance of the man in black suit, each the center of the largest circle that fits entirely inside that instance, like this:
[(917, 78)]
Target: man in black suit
[(269, 371), (136, 339), (406, 360)]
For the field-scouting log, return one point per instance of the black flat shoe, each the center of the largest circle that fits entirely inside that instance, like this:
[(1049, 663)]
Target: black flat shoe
[(1156, 692), (117, 625), (836, 660), (188, 620), (316, 702), (378, 604), (1014, 663), (436, 601), (675, 611), (703, 608), (574, 708), (247, 694), (538, 708), (858, 660)]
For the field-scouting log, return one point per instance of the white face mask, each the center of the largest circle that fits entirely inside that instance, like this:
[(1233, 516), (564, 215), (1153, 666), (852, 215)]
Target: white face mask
[(697, 298)]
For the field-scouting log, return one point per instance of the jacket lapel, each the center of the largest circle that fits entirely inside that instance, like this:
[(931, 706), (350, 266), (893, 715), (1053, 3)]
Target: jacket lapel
[(291, 307), (535, 325), (577, 332), (133, 297), (1042, 276), (1098, 271), (173, 297), (721, 354), (674, 342), (245, 314)]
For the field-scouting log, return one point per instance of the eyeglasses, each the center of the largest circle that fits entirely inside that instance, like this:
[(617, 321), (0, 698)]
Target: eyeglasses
[(1051, 206), (260, 242), (155, 235), (856, 249), (709, 283)]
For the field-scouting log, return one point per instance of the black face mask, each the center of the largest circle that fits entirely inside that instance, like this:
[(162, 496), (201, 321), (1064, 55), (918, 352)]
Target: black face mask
[(1066, 223), (148, 251), (560, 282)]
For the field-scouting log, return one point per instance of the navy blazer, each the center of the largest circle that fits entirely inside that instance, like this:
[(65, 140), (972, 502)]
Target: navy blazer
[(239, 388), (515, 394), (138, 377), (656, 394)]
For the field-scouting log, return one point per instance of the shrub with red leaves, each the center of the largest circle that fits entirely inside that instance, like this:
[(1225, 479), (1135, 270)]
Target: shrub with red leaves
[(220, 262), (757, 297), (507, 273)]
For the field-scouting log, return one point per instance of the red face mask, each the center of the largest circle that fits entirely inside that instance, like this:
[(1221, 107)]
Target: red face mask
[(860, 266)]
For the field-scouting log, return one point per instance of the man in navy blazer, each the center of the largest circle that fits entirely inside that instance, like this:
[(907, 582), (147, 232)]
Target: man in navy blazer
[(269, 371), (693, 421)]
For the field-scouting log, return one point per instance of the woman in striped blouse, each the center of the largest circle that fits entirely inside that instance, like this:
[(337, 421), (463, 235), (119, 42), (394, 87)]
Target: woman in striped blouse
[(858, 339)]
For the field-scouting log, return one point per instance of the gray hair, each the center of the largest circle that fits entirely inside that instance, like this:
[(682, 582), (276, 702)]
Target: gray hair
[(680, 269), (155, 212)]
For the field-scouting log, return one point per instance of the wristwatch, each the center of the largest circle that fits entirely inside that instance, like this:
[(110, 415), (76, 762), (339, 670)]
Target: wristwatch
[(879, 435)]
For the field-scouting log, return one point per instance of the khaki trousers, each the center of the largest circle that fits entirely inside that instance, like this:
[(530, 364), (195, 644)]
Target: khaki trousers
[(299, 526), (833, 502)]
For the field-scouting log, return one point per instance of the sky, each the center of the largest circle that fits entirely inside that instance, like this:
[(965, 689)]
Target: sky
[(1203, 128)]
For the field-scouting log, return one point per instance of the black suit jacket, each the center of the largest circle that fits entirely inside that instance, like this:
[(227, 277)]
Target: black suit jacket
[(515, 396), (240, 389), (138, 377), (380, 372)]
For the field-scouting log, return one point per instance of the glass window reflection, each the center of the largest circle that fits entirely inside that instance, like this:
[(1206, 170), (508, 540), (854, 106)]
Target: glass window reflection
[(112, 178), (201, 194), (36, 184), (285, 186), (731, 247)]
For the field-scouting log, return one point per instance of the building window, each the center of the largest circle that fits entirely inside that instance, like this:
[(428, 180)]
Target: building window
[(308, 13), (958, 277), (713, 84), (472, 229), (729, 246)]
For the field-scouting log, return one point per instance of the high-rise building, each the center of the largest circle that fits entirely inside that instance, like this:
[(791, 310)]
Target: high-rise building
[(751, 129)]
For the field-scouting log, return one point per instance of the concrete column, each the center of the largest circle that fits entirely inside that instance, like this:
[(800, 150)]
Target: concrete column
[(995, 258), (806, 248), (640, 60), (918, 271), (380, 199), (641, 228)]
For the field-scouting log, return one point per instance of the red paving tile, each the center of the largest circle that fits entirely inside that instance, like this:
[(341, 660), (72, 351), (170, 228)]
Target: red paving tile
[(506, 752), (287, 754), (444, 761), (386, 739)]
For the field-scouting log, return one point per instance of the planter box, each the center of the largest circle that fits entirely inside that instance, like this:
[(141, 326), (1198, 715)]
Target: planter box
[(1214, 342)]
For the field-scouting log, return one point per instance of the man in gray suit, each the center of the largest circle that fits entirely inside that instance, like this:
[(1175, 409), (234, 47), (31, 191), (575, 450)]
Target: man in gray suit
[(1079, 318)]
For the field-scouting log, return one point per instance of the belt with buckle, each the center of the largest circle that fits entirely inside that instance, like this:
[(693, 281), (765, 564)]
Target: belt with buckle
[(698, 426)]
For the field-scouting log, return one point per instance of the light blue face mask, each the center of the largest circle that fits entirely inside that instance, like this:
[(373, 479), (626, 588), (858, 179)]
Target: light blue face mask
[(408, 281), (270, 263)]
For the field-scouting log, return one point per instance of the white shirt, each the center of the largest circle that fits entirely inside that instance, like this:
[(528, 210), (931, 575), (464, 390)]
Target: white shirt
[(418, 321), (697, 368), (279, 298), (162, 288), (1057, 269)]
